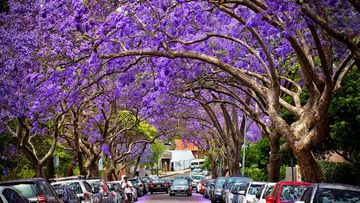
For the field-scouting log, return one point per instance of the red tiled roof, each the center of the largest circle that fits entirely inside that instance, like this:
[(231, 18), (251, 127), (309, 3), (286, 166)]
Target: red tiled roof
[(185, 145)]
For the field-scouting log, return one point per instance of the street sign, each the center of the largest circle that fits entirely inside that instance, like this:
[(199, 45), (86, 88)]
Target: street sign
[(56, 161), (101, 164)]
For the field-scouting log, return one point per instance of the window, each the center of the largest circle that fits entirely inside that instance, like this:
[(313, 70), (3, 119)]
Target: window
[(253, 189), (258, 194), (268, 191), (87, 187), (292, 192), (306, 197), (11, 196), (75, 186), (27, 190), (336, 196)]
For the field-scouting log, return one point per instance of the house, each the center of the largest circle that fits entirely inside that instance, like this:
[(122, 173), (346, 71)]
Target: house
[(186, 145), (175, 160)]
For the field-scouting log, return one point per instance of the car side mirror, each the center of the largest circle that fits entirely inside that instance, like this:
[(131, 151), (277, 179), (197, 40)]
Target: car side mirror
[(60, 195), (270, 198), (96, 190)]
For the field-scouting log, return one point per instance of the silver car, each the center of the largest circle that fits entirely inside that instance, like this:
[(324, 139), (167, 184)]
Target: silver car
[(81, 188)]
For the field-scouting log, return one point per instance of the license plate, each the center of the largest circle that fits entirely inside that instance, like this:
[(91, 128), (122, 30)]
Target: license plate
[(158, 186)]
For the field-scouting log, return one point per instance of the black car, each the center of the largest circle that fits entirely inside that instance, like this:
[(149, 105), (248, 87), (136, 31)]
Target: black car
[(181, 186), (159, 185), (137, 186), (325, 192), (216, 188), (34, 189), (66, 194)]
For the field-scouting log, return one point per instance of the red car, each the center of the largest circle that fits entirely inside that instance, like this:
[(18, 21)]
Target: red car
[(287, 192), (202, 186), (159, 185)]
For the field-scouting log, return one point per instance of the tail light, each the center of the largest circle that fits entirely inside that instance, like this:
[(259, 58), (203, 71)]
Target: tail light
[(86, 196), (41, 199)]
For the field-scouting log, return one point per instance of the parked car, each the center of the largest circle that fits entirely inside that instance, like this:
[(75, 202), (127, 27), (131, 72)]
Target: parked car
[(334, 193), (263, 192), (207, 187), (287, 192), (181, 186), (34, 189), (138, 186), (201, 186), (169, 181), (9, 195), (231, 180), (134, 191), (216, 187), (234, 188), (249, 193), (81, 188), (158, 186), (116, 191), (196, 180), (101, 190), (146, 180), (141, 184), (66, 194), (154, 177)]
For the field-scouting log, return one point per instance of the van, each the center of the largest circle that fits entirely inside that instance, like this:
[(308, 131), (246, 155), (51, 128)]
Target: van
[(197, 163)]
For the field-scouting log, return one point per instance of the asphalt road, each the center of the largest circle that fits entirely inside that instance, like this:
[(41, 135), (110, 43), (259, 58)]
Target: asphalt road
[(162, 197)]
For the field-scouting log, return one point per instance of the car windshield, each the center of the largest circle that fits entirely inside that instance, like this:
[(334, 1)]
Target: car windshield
[(180, 181), (27, 190), (292, 192), (196, 170), (254, 189), (337, 196)]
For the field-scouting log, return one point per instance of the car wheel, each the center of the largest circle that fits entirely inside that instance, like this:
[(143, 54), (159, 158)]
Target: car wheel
[(151, 192), (188, 194), (166, 191)]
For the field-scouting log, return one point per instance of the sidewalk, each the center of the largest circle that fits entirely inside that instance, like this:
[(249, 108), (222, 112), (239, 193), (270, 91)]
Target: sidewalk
[(174, 173)]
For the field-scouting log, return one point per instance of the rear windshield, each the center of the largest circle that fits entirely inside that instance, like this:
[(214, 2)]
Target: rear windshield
[(198, 177), (220, 182), (27, 190), (292, 192), (337, 196), (181, 182)]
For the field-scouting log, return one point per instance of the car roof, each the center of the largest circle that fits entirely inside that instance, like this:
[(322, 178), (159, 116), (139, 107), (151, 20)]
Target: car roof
[(338, 186), (29, 180), (67, 181), (294, 183)]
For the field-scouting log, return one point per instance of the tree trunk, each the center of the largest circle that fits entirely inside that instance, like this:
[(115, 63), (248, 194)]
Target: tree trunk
[(50, 172), (92, 168), (81, 163), (111, 173), (274, 160), (310, 168), (234, 165), (39, 173), (214, 171)]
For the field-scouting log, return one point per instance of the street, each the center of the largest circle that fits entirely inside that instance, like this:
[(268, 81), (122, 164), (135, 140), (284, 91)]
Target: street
[(162, 197)]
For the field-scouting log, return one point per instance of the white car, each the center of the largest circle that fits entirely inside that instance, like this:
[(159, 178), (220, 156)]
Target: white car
[(251, 191), (263, 192), (9, 195), (229, 195), (196, 180)]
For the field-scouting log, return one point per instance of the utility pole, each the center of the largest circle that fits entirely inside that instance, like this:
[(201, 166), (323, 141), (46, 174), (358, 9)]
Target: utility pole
[(244, 149)]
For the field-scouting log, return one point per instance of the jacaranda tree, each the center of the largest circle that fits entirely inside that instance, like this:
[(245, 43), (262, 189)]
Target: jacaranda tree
[(265, 45)]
